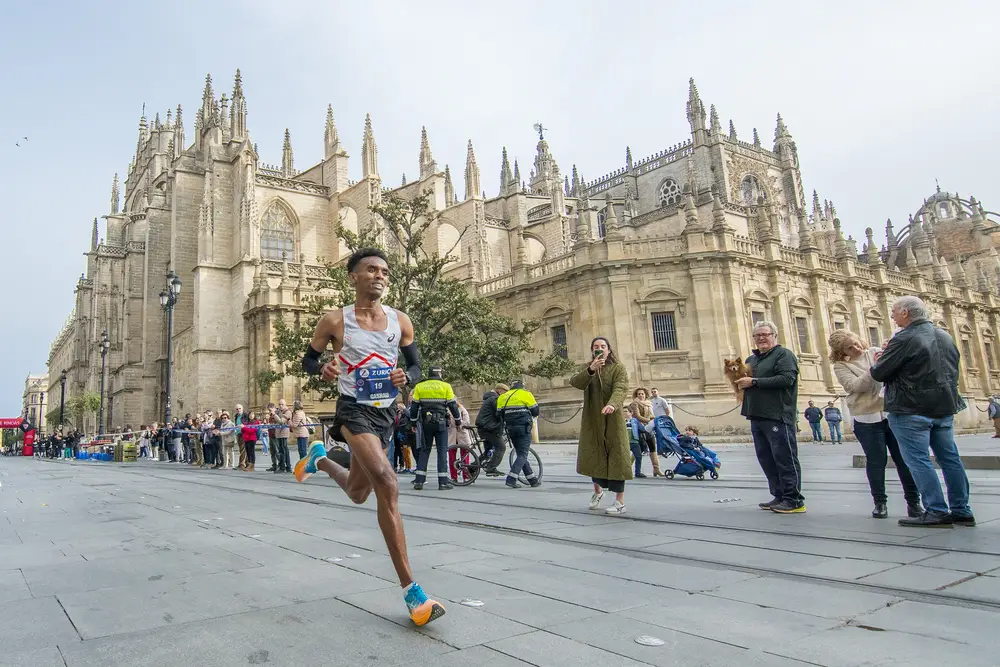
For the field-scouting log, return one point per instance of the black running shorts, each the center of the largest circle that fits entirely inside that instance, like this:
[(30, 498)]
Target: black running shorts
[(363, 419)]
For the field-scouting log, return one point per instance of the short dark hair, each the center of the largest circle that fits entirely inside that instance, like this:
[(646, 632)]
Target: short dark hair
[(362, 253)]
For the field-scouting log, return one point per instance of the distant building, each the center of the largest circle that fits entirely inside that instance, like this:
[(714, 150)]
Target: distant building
[(672, 256), (34, 400)]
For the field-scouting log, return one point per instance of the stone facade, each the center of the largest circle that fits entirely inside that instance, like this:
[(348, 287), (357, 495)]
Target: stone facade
[(672, 257)]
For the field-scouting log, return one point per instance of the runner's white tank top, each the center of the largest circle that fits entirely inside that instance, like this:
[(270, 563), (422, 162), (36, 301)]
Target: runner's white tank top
[(366, 359)]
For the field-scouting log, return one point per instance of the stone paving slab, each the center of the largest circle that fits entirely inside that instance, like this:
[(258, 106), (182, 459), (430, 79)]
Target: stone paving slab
[(544, 649), (964, 562), (158, 603), (12, 585), (742, 624), (83, 575), (35, 622), (985, 587), (616, 634), (582, 588), (850, 647), (465, 626), (312, 633), (916, 577), (803, 597), (477, 656), (965, 626), (48, 656)]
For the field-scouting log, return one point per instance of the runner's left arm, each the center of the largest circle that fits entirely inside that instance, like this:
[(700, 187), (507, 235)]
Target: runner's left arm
[(408, 346)]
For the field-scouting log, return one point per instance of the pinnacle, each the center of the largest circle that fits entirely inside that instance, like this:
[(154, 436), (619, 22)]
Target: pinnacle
[(238, 85)]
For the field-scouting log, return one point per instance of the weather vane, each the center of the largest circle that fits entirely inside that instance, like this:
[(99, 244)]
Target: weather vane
[(540, 130)]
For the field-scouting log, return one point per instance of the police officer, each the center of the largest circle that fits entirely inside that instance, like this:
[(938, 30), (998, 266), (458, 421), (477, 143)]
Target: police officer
[(433, 399), (517, 409)]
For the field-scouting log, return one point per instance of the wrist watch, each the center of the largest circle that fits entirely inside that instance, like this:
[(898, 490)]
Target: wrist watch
[(753, 382)]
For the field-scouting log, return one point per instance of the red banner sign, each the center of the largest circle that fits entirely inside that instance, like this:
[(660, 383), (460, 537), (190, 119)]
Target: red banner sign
[(11, 423), (29, 438)]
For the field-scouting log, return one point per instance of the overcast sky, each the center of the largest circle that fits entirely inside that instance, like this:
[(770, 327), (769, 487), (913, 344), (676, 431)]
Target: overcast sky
[(880, 97)]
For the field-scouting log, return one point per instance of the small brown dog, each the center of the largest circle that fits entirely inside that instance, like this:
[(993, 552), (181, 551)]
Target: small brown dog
[(736, 369)]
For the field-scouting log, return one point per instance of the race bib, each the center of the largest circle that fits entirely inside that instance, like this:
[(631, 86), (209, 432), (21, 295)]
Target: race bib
[(372, 386)]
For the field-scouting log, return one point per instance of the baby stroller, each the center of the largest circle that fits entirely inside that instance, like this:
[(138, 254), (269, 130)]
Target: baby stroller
[(694, 461)]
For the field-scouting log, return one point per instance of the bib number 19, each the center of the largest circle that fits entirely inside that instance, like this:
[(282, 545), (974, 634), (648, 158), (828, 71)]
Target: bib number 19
[(373, 386)]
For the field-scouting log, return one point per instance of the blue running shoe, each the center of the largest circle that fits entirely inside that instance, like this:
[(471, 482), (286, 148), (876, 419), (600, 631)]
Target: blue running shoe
[(422, 609), (307, 466)]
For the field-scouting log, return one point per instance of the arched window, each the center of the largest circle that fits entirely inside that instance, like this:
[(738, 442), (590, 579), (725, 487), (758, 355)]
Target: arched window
[(277, 235), (751, 190), (670, 192), (602, 228)]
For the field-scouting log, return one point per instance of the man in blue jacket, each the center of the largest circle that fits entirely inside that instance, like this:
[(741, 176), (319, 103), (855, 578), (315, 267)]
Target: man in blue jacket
[(833, 418)]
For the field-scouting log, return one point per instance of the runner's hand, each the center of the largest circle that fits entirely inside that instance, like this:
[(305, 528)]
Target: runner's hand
[(608, 409), (330, 371), (398, 378)]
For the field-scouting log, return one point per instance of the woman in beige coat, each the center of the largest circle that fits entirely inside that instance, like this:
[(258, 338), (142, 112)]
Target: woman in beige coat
[(851, 362)]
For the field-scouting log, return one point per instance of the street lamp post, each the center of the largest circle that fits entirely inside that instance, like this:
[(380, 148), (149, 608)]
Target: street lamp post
[(62, 396), (168, 299), (105, 345)]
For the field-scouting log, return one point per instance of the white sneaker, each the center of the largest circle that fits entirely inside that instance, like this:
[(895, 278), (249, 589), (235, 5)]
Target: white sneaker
[(595, 500), (617, 508)]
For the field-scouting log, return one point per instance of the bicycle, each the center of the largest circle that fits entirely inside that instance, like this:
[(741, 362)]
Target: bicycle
[(466, 464)]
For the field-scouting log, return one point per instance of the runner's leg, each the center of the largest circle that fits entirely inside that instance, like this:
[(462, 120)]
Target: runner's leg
[(371, 471)]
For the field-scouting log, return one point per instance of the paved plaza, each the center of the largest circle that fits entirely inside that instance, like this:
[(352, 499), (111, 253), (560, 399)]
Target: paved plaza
[(159, 564)]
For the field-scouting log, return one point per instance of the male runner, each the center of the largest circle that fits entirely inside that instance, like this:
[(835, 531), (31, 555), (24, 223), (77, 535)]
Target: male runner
[(367, 337)]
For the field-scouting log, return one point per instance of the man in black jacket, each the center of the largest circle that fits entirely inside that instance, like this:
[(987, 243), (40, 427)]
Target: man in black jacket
[(920, 370), (490, 428), (770, 403)]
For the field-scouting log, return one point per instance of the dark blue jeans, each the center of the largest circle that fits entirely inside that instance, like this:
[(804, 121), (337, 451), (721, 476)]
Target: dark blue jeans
[(637, 453), (876, 439), (835, 435), (778, 455), (918, 436), (432, 434), (817, 429), (303, 445)]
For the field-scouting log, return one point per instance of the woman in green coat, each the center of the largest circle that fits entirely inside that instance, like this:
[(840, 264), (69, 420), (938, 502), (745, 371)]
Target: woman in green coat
[(603, 454)]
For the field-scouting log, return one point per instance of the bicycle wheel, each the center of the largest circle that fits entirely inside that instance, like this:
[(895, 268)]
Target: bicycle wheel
[(533, 460), (463, 465)]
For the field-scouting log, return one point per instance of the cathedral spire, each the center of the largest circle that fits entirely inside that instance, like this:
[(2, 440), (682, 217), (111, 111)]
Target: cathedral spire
[(817, 211), (628, 158), (472, 187), (93, 234), (575, 183), (505, 174), (566, 188), (715, 126), (872, 249), (449, 188), (114, 195), (224, 118), (207, 102), (179, 133), (517, 177), (369, 151), (143, 134), (287, 161), (331, 141), (695, 108), (756, 138), (238, 122), (780, 131), (428, 166), (732, 131)]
